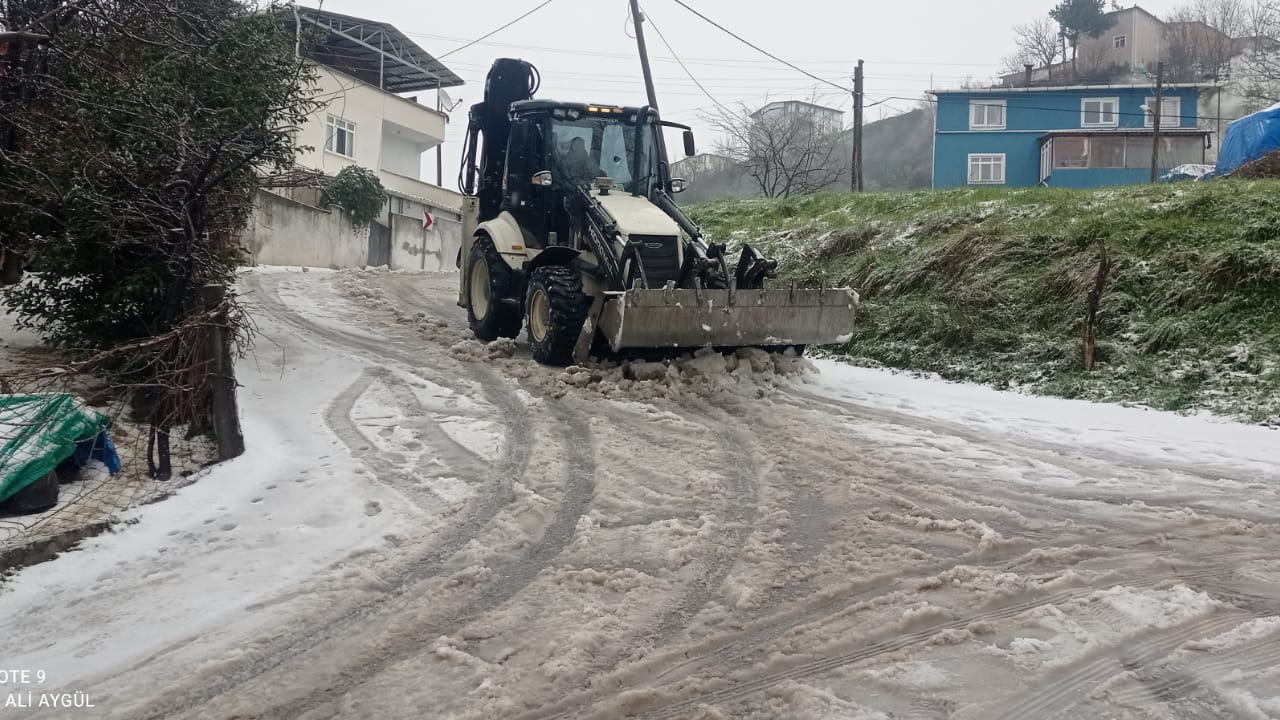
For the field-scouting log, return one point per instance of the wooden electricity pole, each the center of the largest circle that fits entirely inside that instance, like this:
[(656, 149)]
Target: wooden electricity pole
[(650, 93), (1156, 112), (855, 179), (440, 146)]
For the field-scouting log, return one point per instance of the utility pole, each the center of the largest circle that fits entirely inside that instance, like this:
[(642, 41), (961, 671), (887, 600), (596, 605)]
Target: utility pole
[(440, 146), (664, 173), (1155, 120), (644, 55), (855, 180)]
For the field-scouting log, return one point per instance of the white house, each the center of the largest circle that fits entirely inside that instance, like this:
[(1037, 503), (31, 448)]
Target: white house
[(824, 119), (367, 73)]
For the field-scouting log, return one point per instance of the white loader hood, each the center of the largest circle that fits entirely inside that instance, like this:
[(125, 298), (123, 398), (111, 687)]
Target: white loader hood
[(636, 215)]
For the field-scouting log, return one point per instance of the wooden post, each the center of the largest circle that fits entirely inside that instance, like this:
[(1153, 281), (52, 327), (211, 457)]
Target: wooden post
[(1156, 112), (1093, 300), (855, 180), (222, 379)]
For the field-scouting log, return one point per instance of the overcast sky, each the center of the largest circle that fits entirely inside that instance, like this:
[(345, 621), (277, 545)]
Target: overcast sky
[(585, 51)]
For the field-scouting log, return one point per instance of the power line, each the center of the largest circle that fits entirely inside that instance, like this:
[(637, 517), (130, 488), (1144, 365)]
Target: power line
[(726, 62), (757, 48), (495, 32), (672, 50)]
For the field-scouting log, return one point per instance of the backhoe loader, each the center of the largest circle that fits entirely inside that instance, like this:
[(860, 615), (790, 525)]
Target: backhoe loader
[(570, 231)]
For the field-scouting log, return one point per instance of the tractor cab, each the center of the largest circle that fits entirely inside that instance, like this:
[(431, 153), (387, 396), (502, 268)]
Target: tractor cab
[(556, 151)]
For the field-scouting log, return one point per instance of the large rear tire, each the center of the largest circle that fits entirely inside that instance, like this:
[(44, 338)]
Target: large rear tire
[(489, 282), (556, 308)]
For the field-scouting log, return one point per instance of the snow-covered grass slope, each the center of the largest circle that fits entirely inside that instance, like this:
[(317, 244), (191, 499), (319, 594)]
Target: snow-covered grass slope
[(990, 285)]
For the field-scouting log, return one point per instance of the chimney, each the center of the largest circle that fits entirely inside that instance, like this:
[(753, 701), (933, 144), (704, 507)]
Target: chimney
[(1027, 67)]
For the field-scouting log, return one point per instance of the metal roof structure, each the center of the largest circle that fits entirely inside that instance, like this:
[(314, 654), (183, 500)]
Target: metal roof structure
[(374, 52)]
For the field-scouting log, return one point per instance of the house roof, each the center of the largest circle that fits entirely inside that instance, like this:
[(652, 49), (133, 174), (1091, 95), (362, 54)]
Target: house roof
[(777, 103), (1071, 88), (375, 52), (1135, 8)]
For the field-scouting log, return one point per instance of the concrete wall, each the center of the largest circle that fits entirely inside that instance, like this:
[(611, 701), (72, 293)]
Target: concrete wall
[(286, 232), (433, 250), (400, 155)]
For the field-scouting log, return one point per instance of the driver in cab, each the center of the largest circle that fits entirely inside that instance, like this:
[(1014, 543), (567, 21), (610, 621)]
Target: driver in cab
[(577, 165)]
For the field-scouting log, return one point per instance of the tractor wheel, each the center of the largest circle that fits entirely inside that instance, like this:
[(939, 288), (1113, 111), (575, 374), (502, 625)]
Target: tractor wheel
[(556, 309), (489, 281)]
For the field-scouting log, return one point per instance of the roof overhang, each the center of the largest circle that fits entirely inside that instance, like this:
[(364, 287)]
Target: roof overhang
[(1070, 88), (1128, 131), (374, 52)]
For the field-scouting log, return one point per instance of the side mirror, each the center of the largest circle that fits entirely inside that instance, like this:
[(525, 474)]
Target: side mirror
[(678, 185), (689, 149), (543, 179)]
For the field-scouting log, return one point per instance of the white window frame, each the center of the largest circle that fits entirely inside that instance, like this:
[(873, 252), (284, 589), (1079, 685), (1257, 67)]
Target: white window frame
[(335, 127), (1170, 112), (995, 160), (1115, 112), (1120, 42), (1046, 160), (986, 105)]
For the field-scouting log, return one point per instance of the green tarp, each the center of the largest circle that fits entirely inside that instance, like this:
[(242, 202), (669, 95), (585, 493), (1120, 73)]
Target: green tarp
[(37, 432)]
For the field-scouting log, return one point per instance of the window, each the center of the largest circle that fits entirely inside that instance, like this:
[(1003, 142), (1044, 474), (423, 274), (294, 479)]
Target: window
[(1106, 152), (1120, 42), (1170, 112), (1070, 152), (1100, 112), (341, 137), (986, 114), (986, 169), (1046, 160)]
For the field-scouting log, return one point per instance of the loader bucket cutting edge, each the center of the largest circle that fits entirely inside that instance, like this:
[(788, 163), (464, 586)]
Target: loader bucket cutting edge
[(721, 318)]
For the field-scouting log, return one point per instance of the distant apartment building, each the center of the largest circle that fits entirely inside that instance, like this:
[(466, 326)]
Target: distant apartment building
[(1130, 50), (1080, 137), (825, 119)]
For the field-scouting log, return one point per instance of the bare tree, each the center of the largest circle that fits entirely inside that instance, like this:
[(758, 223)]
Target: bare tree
[(1038, 44), (785, 153), (1201, 39), (1261, 46)]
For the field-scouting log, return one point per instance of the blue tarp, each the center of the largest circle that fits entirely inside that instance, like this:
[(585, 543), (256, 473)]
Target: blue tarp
[(1249, 138)]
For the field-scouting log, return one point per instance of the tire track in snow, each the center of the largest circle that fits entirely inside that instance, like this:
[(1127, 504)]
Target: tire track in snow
[(1080, 461), (737, 514), (389, 467), (1075, 458), (427, 563), (513, 578), (744, 475), (1185, 679), (723, 650), (1065, 691), (739, 691)]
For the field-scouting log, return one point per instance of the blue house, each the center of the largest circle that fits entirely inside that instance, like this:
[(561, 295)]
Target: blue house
[(1082, 136)]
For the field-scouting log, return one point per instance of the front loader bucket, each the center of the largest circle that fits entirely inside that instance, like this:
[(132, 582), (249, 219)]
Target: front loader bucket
[(672, 318)]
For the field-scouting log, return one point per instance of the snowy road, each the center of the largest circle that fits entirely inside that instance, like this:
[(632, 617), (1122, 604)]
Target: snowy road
[(430, 528)]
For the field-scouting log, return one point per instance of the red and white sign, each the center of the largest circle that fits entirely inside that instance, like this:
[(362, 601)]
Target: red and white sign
[(427, 220)]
